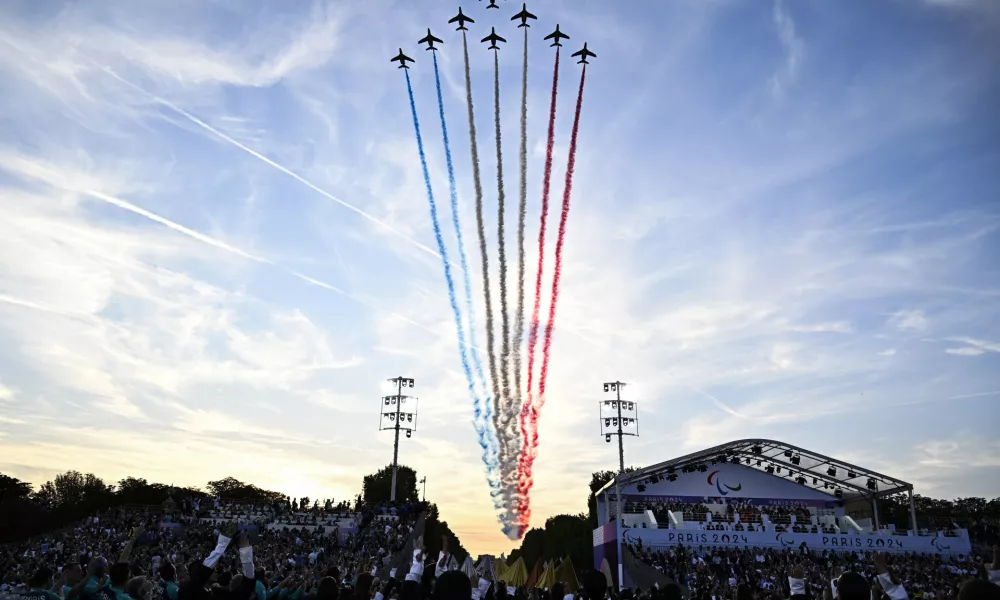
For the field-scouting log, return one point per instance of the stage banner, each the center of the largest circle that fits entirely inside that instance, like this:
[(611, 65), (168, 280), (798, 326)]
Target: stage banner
[(660, 538)]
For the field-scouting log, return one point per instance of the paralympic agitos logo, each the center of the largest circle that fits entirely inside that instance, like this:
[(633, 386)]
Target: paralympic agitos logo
[(719, 485), (939, 544)]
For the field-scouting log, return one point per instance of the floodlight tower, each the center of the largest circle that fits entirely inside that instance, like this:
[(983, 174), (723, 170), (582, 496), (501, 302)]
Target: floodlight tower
[(615, 425), (396, 416)]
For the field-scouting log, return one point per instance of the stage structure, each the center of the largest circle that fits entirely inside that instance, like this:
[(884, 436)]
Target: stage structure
[(829, 504)]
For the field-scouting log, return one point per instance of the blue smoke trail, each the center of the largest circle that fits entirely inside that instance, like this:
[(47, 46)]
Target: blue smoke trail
[(487, 442), (485, 434)]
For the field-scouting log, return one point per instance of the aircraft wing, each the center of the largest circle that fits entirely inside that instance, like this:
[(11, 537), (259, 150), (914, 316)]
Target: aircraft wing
[(500, 39), (434, 39)]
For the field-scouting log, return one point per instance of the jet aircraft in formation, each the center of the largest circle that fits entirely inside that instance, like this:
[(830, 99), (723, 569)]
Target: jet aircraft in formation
[(493, 38), (524, 15), (461, 20), (429, 40), (402, 58), (556, 35), (584, 54)]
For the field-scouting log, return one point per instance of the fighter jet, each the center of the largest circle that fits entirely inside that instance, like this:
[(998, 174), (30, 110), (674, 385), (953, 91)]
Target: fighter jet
[(402, 58), (461, 20), (524, 15), (493, 38), (429, 40), (492, 4), (584, 54), (556, 35)]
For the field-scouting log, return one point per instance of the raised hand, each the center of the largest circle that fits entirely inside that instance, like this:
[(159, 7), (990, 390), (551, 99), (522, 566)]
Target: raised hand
[(881, 560), (229, 529)]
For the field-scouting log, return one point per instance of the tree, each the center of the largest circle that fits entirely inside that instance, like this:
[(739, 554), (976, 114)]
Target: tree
[(132, 490), (231, 488), (13, 489), (376, 488), (572, 536), (533, 547), (434, 528), (597, 481), (563, 535)]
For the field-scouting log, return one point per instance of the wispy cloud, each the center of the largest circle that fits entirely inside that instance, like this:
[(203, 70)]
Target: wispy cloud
[(972, 347), (908, 320), (793, 46)]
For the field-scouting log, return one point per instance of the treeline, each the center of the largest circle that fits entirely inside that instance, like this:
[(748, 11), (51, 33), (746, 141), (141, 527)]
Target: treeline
[(562, 536), (72, 495), (964, 512)]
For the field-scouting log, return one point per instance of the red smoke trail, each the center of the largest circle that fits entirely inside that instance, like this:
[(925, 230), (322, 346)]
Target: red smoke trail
[(529, 412), (539, 402)]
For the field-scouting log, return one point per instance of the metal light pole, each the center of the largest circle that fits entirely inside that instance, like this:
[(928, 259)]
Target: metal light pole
[(396, 417), (615, 426), (423, 484)]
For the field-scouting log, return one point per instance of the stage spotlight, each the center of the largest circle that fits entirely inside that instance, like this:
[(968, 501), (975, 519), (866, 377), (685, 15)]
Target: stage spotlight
[(606, 386), (641, 487), (770, 470), (832, 472), (872, 485), (607, 438), (788, 453), (757, 450), (409, 433), (760, 462), (839, 493), (672, 478), (796, 459), (801, 480), (607, 422), (851, 474), (815, 481)]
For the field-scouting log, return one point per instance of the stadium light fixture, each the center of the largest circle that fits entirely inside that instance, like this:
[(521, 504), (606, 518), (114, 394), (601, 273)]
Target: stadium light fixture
[(397, 416), (616, 423)]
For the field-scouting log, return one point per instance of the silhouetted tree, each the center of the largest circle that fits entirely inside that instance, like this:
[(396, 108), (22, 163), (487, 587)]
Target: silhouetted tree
[(597, 481), (231, 488), (376, 488), (13, 489), (434, 528)]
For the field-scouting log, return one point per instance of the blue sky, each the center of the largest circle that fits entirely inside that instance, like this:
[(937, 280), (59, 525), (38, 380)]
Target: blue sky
[(782, 220)]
